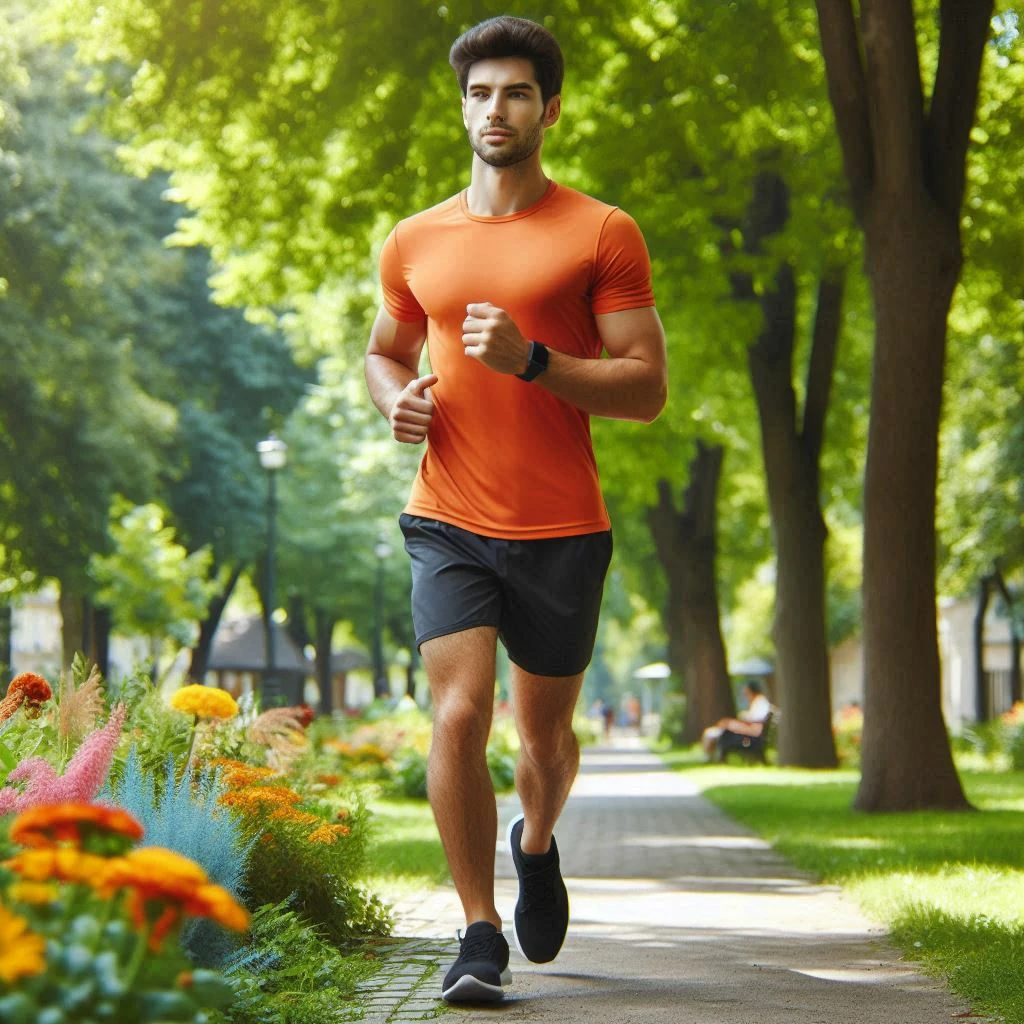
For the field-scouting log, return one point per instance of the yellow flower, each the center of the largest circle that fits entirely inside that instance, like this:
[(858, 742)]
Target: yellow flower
[(298, 817), (21, 951), (204, 701), (35, 893), (62, 864)]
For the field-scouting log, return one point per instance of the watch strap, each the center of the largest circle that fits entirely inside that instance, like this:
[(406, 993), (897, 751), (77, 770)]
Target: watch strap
[(537, 362)]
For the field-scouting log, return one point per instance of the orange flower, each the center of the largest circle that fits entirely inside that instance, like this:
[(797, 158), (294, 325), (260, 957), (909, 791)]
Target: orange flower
[(60, 864), (164, 881), (297, 817), (329, 779), (238, 773), (49, 825), (254, 799), (328, 833), (35, 688)]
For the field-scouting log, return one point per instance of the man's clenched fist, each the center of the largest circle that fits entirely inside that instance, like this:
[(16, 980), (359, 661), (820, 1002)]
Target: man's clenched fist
[(490, 335), (413, 410)]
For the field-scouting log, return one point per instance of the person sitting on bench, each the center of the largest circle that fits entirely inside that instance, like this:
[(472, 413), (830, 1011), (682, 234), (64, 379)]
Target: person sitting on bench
[(750, 722)]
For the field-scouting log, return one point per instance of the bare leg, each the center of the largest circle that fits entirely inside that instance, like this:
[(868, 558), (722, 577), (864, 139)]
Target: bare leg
[(549, 754), (461, 671)]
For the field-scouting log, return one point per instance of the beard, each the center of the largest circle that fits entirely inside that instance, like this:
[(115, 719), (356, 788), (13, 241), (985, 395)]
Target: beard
[(518, 148)]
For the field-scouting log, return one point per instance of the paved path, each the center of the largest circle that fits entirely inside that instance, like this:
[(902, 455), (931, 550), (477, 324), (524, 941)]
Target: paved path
[(681, 915)]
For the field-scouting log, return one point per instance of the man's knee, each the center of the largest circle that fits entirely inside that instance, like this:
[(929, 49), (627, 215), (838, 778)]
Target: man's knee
[(545, 742), (459, 725)]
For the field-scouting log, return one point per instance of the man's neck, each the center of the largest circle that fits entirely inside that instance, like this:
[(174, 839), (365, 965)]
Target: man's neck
[(501, 191)]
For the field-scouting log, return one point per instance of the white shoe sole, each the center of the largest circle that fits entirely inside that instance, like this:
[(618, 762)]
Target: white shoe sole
[(508, 845), (472, 990)]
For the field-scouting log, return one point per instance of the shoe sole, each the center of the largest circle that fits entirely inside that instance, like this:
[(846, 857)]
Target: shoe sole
[(515, 935), (508, 843), (472, 990)]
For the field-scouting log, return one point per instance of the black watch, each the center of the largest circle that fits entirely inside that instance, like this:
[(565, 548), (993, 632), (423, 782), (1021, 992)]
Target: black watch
[(538, 361)]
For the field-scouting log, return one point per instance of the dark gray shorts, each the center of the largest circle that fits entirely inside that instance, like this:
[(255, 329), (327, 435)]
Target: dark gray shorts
[(544, 596)]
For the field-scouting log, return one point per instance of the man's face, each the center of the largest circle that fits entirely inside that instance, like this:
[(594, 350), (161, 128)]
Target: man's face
[(503, 111)]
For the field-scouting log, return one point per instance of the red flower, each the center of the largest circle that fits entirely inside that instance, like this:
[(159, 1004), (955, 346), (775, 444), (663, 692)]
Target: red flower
[(36, 689), (305, 715)]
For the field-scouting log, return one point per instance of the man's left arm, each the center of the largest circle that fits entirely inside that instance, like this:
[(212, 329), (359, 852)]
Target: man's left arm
[(631, 384)]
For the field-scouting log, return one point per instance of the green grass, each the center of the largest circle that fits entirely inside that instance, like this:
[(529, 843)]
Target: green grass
[(406, 853), (949, 886)]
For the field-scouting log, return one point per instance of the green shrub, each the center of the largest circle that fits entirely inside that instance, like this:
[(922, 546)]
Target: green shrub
[(673, 718), (409, 776)]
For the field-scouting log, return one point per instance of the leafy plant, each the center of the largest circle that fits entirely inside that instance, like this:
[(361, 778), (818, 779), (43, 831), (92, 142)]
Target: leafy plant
[(183, 814)]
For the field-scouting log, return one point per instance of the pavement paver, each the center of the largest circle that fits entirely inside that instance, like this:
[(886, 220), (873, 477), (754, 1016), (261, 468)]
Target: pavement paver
[(680, 914)]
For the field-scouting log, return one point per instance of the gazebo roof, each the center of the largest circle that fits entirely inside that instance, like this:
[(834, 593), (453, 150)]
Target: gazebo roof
[(349, 658), (239, 645)]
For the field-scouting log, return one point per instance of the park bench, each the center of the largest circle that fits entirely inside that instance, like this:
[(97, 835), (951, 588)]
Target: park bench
[(751, 748)]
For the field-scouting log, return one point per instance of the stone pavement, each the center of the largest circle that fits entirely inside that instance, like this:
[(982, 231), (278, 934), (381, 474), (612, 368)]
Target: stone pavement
[(678, 914)]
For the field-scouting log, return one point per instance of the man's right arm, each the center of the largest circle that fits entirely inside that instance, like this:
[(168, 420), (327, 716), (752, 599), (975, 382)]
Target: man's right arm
[(392, 376)]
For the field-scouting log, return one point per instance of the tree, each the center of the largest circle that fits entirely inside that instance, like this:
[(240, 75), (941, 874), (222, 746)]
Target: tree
[(153, 586), (905, 164)]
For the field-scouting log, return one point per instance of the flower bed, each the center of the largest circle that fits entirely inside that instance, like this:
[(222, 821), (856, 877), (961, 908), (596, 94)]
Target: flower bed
[(173, 861)]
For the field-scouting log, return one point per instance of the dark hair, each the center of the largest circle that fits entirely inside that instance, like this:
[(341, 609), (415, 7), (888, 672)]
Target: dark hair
[(754, 686), (506, 36)]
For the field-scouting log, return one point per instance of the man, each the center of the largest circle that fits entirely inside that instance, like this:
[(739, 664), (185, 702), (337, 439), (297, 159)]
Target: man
[(750, 722), (516, 285)]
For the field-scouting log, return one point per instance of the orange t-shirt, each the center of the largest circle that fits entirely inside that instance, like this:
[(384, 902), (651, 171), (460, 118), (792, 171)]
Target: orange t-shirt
[(504, 457)]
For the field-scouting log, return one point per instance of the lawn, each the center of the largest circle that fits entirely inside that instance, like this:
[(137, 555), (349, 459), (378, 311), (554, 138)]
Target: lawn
[(948, 886), (406, 853)]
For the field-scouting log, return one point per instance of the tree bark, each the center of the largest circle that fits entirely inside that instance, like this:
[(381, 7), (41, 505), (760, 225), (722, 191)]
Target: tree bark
[(791, 459), (208, 627), (73, 632), (913, 265), (1009, 601), (102, 626), (324, 628), (687, 547), (981, 702), (906, 169)]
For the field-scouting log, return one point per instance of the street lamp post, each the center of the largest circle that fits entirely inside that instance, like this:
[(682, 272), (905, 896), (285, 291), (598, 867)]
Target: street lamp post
[(381, 688), (273, 454)]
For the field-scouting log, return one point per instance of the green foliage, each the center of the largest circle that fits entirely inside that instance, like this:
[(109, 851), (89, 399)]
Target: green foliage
[(288, 973), (151, 584), (409, 775), (320, 877), (155, 730)]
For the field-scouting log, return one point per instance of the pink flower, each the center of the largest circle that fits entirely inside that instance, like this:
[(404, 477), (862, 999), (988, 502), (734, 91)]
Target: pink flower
[(82, 779)]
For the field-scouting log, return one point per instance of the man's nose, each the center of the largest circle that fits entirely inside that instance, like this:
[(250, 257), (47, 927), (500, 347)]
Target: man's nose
[(496, 110)]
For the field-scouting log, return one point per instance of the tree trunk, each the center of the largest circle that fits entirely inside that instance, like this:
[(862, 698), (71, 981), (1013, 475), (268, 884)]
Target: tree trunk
[(324, 625), (208, 627), (102, 625), (6, 619), (905, 159), (913, 263), (73, 626), (791, 453), (1009, 601), (981, 702), (791, 459), (686, 545)]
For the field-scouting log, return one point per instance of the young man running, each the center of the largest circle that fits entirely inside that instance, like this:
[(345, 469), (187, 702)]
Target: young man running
[(516, 285)]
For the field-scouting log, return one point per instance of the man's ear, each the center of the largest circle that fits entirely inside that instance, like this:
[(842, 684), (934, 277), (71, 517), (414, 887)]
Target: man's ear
[(553, 111)]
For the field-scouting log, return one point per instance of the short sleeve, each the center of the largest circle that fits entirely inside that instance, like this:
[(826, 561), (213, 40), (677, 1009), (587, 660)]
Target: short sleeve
[(622, 275), (399, 300)]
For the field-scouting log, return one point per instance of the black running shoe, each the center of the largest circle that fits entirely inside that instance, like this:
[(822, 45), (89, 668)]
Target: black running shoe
[(542, 912), (482, 967)]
